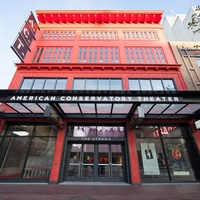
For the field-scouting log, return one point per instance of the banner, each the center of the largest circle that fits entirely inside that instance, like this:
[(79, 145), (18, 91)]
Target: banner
[(149, 159)]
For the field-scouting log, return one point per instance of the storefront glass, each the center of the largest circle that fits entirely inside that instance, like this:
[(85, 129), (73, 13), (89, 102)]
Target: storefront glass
[(27, 152), (163, 153)]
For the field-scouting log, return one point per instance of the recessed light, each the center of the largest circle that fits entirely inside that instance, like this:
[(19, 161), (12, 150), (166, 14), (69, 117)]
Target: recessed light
[(21, 133)]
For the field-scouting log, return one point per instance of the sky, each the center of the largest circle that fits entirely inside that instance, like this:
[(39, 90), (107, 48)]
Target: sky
[(13, 14)]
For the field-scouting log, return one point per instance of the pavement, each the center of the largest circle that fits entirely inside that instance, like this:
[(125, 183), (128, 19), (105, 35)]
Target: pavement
[(84, 191)]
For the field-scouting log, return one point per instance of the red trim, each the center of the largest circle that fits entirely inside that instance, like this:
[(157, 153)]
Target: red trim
[(99, 17)]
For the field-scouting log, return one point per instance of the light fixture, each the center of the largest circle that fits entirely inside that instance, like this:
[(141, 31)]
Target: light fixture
[(21, 133)]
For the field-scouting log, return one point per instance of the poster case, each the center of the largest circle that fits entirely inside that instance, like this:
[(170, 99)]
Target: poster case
[(149, 159)]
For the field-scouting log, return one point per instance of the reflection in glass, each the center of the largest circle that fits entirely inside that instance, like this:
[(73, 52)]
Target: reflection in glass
[(103, 84), (40, 158), (61, 84), (38, 84), (103, 108), (134, 84), (16, 149), (103, 160), (117, 164), (27, 84), (88, 160), (145, 85), (115, 84), (91, 84), (157, 84), (74, 161)]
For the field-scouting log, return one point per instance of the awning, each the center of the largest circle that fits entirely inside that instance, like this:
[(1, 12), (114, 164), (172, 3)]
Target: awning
[(100, 104)]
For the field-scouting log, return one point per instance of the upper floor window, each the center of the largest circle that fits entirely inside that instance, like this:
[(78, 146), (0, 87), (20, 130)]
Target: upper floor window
[(140, 35), (52, 55), (98, 55), (97, 84), (198, 61), (98, 35), (43, 84), (144, 55), (190, 52), (151, 84), (58, 35)]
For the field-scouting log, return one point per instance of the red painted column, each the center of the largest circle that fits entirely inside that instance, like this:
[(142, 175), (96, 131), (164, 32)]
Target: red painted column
[(196, 134), (1, 124), (134, 167), (58, 152)]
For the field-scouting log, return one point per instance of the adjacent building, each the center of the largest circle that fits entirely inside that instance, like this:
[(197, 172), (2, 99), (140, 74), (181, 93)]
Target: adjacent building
[(185, 46), (98, 97)]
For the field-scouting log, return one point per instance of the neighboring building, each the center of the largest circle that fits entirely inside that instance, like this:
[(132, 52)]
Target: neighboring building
[(188, 56), (98, 97), (176, 27), (185, 46)]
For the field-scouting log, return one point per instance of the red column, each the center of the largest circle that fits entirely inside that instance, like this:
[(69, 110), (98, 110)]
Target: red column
[(196, 134), (58, 152), (134, 167)]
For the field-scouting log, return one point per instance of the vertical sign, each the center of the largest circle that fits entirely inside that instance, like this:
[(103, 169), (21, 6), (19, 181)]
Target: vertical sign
[(31, 22), (20, 47), (26, 35)]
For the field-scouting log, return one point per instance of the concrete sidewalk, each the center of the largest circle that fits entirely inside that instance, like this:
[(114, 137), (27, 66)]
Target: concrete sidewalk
[(99, 192)]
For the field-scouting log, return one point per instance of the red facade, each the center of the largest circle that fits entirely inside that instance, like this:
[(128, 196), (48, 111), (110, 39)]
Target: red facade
[(127, 46)]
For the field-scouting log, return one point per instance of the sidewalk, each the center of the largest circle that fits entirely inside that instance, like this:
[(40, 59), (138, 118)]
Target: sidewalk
[(99, 192)]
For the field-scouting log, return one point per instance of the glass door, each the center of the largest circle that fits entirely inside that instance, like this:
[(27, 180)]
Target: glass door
[(95, 162)]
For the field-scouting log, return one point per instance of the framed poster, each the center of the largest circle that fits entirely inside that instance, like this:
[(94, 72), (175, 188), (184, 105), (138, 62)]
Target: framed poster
[(177, 159), (149, 159)]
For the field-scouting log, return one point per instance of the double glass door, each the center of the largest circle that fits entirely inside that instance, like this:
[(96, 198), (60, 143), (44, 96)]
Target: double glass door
[(95, 162)]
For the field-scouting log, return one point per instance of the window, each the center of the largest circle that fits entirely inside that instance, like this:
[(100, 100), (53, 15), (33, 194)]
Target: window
[(98, 55), (43, 84), (140, 35), (58, 35), (97, 84), (144, 55), (98, 35), (198, 61), (164, 152), (53, 54), (27, 151), (151, 84)]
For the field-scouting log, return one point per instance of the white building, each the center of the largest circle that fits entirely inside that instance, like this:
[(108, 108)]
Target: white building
[(176, 27)]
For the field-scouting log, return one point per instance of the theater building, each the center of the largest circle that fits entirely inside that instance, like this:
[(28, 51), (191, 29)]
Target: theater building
[(98, 97)]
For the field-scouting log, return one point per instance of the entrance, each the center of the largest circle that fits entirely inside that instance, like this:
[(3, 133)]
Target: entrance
[(96, 162)]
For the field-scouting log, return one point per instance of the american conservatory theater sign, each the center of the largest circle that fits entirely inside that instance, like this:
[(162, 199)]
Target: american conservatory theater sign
[(90, 99)]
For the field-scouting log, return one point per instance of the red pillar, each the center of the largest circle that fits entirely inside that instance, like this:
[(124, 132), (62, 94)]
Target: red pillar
[(58, 152), (196, 134), (134, 167)]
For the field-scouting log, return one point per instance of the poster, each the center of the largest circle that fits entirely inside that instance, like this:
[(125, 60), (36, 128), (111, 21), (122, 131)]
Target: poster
[(177, 159), (149, 159)]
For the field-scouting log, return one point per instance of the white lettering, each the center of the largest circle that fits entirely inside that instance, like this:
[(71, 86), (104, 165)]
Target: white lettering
[(92, 98), (164, 98), (40, 98), (129, 98), (31, 98), (151, 98), (158, 99), (62, 98), (169, 98), (117, 98), (68, 98), (105, 99), (12, 98), (176, 99), (19, 98), (74, 98)]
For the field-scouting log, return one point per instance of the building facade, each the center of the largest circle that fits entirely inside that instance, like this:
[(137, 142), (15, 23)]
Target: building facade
[(176, 27), (98, 96), (185, 46)]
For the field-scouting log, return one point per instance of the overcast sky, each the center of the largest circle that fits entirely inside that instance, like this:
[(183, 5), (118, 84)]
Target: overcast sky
[(13, 13)]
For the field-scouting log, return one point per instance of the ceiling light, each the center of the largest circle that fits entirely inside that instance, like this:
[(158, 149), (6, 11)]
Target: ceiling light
[(21, 133)]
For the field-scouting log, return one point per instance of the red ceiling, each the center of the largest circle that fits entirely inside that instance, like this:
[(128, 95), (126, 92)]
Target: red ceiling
[(99, 17)]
